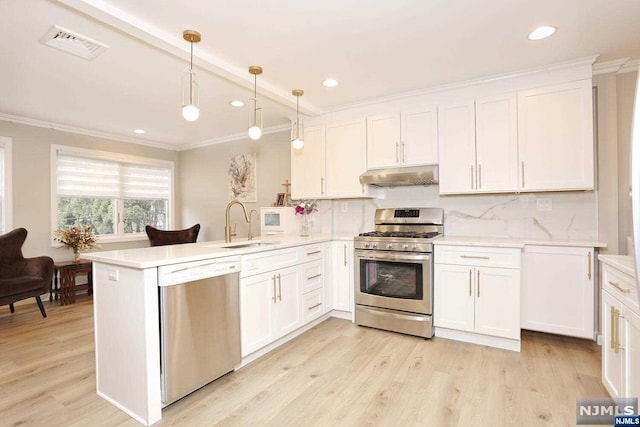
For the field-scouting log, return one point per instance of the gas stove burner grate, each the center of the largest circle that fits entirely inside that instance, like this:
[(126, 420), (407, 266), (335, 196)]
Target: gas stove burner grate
[(404, 234)]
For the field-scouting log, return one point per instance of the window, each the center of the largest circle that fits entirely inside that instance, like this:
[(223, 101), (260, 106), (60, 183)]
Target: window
[(116, 195), (5, 184)]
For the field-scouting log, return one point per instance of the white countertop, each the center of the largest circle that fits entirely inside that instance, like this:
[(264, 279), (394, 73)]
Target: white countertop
[(512, 243), (173, 254), (624, 263)]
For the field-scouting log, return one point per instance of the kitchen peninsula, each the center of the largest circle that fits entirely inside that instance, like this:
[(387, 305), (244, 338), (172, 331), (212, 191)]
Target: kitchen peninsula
[(127, 309)]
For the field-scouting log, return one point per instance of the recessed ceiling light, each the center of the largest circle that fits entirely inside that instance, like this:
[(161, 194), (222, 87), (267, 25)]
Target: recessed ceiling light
[(237, 103), (139, 131), (330, 83), (541, 33)]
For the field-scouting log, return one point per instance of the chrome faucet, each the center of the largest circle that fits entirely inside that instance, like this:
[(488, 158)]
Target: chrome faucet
[(227, 227)]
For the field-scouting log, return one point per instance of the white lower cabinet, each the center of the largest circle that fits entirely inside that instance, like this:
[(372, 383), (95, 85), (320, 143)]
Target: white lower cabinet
[(342, 277), (270, 307), (279, 292), (621, 334), (477, 294), (558, 290)]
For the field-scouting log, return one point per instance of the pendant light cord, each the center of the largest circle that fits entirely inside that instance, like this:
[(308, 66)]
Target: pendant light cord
[(255, 99), (298, 116), (191, 77)]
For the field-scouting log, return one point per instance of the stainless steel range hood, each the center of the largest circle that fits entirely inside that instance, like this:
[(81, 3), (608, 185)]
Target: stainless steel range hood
[(395, 177)]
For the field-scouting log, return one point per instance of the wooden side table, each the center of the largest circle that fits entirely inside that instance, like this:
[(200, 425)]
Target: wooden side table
[(66, 287)]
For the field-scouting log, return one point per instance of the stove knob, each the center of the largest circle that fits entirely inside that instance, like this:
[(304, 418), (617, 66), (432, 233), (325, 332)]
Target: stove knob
[(374, 246), (405, 247), (415, 247), (390, 246), (367, 245)]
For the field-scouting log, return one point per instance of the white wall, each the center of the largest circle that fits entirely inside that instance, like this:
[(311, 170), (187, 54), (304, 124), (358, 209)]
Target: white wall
[(32, 187), (626, 83), (204, 184)]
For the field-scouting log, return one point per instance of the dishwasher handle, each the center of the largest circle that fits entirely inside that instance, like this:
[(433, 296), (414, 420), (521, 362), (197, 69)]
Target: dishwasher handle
[(176, 274)]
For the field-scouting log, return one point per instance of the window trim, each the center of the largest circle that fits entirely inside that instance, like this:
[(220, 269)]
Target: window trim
[(114, 157), (6, 144)]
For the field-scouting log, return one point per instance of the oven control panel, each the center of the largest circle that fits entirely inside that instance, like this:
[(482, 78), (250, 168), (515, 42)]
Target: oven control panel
[(382, 245)]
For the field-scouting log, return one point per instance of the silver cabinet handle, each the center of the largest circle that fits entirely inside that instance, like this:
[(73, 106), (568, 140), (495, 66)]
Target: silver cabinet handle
[(397, 152), (322, 185), (312, 253), (279, 288), (478, 283), (314, 276), (345, 255), (403, 152), (471, 176), (612, 337), (474, 257), (479, 176), (274, 288), (523, 174), (314, 306), (620, 288), (470, 273), (589, 265)]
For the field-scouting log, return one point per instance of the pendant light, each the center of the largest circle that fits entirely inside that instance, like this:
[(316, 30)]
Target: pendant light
[(190, 89), (297, 127), (255, 112)]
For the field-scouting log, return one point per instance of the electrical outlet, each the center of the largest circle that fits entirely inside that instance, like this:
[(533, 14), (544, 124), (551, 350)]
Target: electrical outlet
[(544, 204), (344, 207), (113, 274)]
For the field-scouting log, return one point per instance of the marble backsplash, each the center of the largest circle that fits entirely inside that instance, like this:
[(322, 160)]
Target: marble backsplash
[(535, 216)]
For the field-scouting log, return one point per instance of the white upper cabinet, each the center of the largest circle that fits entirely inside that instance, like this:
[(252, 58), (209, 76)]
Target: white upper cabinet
[(555, 137), (405, 139), (346, 158), (478, 145), (308, 165), (496, 143), (456, 147)]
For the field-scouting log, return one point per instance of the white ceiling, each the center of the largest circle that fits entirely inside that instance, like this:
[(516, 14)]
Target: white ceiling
[(375, 48)]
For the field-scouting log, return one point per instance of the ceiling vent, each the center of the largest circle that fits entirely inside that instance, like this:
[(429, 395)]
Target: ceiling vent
[(73, 43)]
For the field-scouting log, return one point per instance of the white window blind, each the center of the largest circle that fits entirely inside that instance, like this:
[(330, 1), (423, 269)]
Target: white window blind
[(79, 176)]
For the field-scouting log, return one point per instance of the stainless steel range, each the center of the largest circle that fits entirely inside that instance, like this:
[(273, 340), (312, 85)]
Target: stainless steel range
[(394, 270)]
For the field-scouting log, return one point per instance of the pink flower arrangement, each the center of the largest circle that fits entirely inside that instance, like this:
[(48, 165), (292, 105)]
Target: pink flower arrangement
[(305, 207)]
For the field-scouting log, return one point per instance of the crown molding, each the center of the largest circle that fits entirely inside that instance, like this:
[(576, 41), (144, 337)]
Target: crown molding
[(83, 131), (585, 61), (630, 66), (234, 137), (609, 66)]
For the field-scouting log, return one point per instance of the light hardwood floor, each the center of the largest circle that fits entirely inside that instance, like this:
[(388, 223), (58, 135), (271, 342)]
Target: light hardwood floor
[(337, 374)]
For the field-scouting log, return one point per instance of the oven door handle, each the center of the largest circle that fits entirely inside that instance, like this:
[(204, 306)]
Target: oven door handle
[(391, 256)]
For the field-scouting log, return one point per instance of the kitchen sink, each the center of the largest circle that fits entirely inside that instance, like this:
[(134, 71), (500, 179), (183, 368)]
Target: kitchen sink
[(241, 245)]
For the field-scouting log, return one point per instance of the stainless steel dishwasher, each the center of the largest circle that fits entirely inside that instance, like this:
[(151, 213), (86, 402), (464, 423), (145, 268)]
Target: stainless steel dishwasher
[(199, 324)]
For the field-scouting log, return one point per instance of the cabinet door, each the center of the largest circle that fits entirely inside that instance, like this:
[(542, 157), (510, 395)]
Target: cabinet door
[(457, 148), (497, 302), (632, 354), (558, 290), (383, 140), (555, 137), (497, 143), (288, 307), (346, 154), (612, 361), (308, 165), (257, 303), (453, 297), (343, 286), (419, 136)]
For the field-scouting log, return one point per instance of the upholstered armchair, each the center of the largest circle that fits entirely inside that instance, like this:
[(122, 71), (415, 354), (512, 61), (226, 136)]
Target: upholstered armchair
[(21, 277), (173, 237)]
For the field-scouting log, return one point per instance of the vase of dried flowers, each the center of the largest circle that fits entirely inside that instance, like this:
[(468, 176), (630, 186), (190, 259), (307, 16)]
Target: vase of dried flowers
[(77, 238)]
